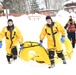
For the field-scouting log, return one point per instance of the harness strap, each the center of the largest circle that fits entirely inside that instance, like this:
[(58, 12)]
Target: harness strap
[(10, 36), (53, 33), (49, 33), (53, 37)]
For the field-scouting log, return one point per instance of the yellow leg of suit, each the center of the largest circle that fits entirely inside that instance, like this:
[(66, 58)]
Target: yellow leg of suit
[(9, 47), (58, 45)]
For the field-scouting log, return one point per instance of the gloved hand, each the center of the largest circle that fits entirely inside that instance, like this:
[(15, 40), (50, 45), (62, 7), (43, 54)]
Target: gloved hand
[(63, 39), (41, 42), (21, 47), (0, 44)]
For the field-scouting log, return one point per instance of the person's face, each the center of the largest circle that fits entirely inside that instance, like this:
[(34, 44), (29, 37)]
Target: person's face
[(70, 17), (10, 23), (48, 21)]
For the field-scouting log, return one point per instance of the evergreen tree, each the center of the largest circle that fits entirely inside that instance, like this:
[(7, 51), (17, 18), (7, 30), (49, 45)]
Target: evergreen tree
[(15, 6), (34, 6)]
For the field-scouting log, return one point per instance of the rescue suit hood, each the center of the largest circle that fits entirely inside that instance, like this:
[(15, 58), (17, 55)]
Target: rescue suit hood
[(48, 17), (52, 23), (10, 27), (10, 20)]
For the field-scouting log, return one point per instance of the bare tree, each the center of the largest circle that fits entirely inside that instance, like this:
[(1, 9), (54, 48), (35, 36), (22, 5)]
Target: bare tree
[(57, 4), (47, 3), (54, 4), (28, 7)]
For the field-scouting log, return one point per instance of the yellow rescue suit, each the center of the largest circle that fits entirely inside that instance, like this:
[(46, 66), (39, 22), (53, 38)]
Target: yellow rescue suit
[(10, 43), (58, 30)]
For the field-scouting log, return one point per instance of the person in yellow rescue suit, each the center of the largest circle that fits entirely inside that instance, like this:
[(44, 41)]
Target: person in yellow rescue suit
[(12, 36), (55, 34)]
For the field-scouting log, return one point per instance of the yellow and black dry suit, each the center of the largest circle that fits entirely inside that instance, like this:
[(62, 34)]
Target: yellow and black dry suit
[(12, 37), (53, 34)]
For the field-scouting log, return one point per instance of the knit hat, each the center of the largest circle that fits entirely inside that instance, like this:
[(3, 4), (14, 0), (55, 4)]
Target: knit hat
[(10, 20), (48, 17)]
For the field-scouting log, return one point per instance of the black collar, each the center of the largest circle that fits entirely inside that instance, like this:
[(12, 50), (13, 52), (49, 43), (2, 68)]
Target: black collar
[(50, 25), (10, 28)]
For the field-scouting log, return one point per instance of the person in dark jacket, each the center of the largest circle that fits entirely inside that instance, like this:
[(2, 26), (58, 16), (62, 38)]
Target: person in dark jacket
[(71, 28)]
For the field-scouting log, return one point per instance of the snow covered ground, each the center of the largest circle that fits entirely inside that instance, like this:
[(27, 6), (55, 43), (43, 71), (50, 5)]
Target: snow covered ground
[(30, 30)]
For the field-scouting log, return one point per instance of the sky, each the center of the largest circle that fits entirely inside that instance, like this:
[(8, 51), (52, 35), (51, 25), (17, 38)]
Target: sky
[(30, 30)]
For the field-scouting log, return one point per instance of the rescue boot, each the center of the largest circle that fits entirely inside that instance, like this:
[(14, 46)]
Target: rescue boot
[(64, 60), (60, 55), (14, 53), (52, 64), (8, 59), (9, 62), (14, 57)]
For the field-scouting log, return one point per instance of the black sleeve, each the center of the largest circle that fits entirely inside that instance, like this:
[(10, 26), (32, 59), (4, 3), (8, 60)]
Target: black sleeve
[(66, 26), (75, 25)]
